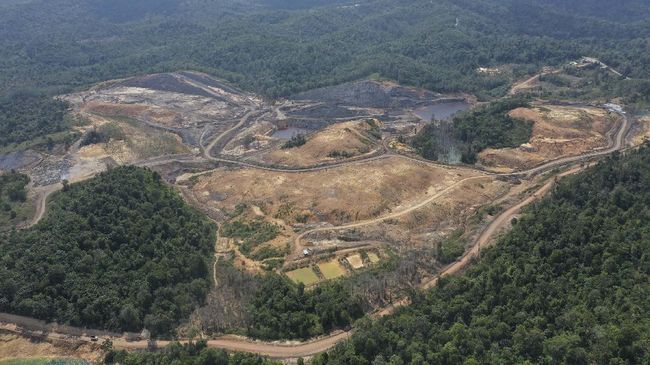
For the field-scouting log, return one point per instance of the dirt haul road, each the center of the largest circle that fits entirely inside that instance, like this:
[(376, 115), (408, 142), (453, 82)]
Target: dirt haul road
[(304, 349), (297, 243), (292, 350)]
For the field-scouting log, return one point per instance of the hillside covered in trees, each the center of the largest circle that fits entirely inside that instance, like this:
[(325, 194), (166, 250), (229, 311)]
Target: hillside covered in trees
[(26, 116), (121, 252), (548, 293), (279, 47), (284, 310), (13, 197)]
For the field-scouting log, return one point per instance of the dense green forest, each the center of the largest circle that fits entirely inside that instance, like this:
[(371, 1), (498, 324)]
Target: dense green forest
[(25, 116), (195, 353), (284, 310), (548, 293), (121, 252), (473, 131), (13, 195), (279, 47)]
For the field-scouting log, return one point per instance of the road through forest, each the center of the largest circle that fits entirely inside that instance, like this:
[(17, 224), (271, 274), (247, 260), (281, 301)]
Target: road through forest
[(304, 349)]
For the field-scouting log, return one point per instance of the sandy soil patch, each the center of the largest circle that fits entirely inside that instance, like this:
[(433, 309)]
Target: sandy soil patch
[(336, 142), (557, 131), (355, 261), (15, 346), (135, 142), (348, 193)]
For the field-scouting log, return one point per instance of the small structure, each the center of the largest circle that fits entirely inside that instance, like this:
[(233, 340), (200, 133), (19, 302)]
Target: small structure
[(614, 108), (527, 147), (307, 252)]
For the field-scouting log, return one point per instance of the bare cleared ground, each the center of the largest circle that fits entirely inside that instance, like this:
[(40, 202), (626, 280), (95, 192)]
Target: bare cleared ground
[(558, 131), (135, 141), (13, 345), (345, 194), (643, 132), (336, 142)]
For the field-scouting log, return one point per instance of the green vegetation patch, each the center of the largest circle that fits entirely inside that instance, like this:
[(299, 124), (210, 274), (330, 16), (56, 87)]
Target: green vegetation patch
[(25, 117), (196, 353), (452, 248), (305, 276), (13, 199), (471, 132), (568, 285), (295, 141), (284, 310), (120, 252), (252, 233)]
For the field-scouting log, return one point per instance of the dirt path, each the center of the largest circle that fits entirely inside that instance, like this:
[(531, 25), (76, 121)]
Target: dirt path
[(298, 247), (295, 349), (207, 151), (304, 349), (496, 226), (526, 84), (41, 202)]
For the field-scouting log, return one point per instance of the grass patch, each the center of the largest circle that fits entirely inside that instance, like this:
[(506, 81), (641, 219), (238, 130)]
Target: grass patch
[(332, 269), (373, 257), (305, 276)]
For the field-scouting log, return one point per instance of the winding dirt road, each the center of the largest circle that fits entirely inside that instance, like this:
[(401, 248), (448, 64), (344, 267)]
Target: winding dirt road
[(298, 246), (305, 349), (42, 194)]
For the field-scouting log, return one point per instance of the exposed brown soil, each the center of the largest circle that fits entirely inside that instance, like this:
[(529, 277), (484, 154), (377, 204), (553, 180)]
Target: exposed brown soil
[(345, 194), (558, 131), (336, 142), (13, 345)]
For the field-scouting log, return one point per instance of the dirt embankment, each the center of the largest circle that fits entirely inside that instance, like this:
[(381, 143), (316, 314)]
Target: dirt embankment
[(340, 195), (558, 131), (642, 131), (15, 346), (337, 142)]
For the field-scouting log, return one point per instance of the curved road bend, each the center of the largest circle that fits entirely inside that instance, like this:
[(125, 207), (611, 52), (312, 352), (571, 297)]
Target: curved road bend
[(305, 349), (293, 350)]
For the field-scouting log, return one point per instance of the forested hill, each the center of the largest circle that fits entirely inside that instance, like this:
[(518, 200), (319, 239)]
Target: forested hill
[(548, 293), (278, 47), (121, 251)]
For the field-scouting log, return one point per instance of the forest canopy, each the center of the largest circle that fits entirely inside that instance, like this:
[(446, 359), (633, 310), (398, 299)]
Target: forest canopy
[(25, 116), (284, 310), (280, 47), (121, 252)]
